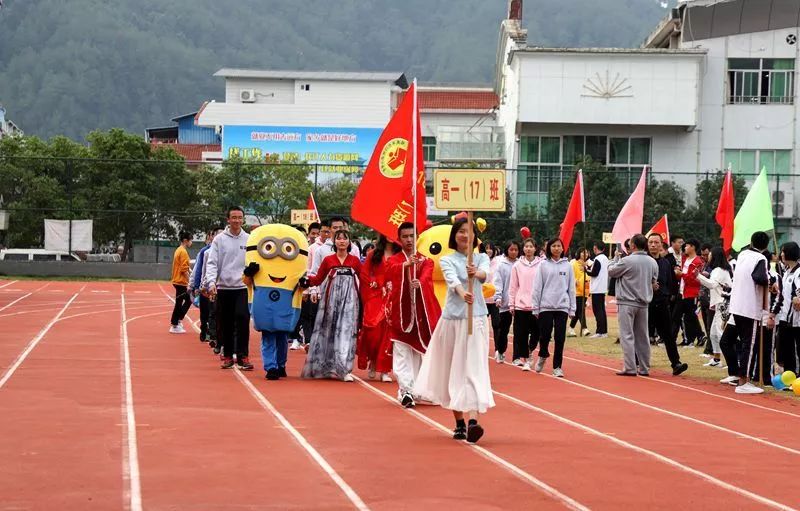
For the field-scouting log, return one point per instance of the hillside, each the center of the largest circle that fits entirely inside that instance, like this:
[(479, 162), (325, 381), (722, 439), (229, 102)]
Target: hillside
[(71, 67)]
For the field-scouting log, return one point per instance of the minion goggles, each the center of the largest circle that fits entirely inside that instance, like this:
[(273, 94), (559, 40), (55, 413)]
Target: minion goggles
[(271, 247)]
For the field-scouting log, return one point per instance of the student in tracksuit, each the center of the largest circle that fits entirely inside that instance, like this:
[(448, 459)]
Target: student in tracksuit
[(502, 283), (598, 287), (787, 310), (520, 295)]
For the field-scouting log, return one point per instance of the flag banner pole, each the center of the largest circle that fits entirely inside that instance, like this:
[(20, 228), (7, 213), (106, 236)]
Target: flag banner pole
[(413, 145), (469, 279)]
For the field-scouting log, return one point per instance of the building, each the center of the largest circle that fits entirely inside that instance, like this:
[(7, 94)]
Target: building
[(331, 120), (713, 86), (195, 143), (7, 128)]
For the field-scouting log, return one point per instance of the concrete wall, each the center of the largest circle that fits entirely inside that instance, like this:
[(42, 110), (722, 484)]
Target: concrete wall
[(133, 271)]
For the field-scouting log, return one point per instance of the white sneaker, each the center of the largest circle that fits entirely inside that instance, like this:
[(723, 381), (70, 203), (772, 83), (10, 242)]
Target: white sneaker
[(540, 364), (348, 377), (502, 358), (748, 388), (586, 332), (526, 366), (517, 362), (177, 329), (705, 355), (371, 374), (730, 380), (295, 345), (571, 332), (713, 363), (558, 372), (598, 336), (385, 378), (497, 357)]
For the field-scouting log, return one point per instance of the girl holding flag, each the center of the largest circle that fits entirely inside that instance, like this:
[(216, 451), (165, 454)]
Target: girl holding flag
[(455, 370)]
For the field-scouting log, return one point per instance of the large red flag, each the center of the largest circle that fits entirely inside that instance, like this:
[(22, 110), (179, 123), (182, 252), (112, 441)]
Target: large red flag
[(312, 204), (629, 221), (385, 198), (725, 214), (661, 228), (575, 212)]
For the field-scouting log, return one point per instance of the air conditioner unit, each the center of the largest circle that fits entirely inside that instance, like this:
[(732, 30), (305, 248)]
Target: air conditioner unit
[(247, 96), (783, 201)]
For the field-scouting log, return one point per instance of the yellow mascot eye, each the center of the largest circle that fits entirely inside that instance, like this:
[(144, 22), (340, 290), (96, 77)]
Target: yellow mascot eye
[(267, 249), (289, 249)]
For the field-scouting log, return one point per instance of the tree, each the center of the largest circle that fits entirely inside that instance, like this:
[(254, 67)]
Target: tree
[(699, 218)]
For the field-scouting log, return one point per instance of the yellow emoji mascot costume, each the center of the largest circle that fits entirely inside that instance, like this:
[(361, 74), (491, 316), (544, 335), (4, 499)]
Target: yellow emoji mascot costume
[(276, 260)]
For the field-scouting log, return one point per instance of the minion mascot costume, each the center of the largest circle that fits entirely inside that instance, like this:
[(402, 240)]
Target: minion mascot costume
[(277, 256)]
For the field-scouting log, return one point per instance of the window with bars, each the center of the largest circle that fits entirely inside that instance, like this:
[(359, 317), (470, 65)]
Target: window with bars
[(429, 149), (749, 162), (761, 81)]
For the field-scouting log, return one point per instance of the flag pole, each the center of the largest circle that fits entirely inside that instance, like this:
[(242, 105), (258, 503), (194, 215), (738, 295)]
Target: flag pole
[(413, 145)]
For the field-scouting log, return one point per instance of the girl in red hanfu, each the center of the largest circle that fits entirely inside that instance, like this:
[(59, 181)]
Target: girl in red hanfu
[(374, 349)]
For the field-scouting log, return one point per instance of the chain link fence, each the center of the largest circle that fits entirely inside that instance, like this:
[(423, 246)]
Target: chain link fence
[(138, 207)]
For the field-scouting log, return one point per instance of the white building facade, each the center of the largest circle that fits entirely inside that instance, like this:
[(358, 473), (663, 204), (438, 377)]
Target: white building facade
[(712, 87)]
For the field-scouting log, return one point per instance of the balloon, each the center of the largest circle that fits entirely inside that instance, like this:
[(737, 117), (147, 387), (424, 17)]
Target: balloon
[(796, 387), (788, 377), (525, 233), (777, 383), (481, 223)]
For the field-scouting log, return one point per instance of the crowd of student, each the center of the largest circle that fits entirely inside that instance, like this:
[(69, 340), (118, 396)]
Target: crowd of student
[(377, 310)]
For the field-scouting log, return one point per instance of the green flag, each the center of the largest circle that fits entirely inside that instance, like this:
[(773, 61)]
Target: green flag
[(755, 213)]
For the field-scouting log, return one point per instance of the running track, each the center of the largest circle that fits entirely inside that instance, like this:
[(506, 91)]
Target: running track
[(103, 409)]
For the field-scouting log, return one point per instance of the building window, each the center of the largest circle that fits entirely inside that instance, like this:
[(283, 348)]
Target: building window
[(429, 149), (749, 162), (761, 81)]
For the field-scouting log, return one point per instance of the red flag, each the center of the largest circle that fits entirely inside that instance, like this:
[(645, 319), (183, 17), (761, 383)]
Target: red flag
[(312, 204), (629, 221), (385, 198), (725, 214), (661, 228), (575, 212)]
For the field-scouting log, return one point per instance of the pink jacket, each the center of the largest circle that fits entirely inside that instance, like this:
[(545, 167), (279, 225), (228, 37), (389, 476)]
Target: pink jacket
[(520, 292)]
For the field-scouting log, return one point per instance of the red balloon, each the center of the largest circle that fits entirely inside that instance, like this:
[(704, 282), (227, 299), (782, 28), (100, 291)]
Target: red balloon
[(525, 233)]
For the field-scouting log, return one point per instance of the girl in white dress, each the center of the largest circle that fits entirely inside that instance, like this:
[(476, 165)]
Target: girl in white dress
[(455, 369)]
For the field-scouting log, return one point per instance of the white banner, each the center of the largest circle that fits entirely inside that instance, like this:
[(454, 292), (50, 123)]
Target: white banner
[(56, 235)]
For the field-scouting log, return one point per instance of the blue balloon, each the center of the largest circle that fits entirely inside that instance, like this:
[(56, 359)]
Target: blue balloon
[(778, 383)]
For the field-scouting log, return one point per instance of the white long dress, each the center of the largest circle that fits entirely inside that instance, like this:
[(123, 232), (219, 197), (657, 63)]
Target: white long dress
[(455, 369)]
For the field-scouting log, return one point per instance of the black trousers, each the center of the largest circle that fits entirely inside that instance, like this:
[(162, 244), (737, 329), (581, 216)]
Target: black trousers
[(788, 347), (580, 313), (740, 345), (233, 318), (660, 317), (208, 319), (182, 303), (599, 308), (686, 310), (494, 316), (526, 334), (308, 315), (501, 334), (555, 323)]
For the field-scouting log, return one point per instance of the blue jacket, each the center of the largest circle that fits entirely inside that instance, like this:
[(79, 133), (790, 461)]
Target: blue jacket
[(197, 271)]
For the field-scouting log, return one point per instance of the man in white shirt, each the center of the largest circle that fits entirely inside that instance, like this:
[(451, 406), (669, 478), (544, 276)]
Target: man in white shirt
[(338, 223), (598, 287)]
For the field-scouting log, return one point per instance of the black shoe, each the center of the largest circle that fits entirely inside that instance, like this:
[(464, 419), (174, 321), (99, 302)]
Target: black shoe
[(273, 374), (203, 337), (244, 364), (625, 373), (617, 341), (217, 350), (460, 433), (474, 433), (407, 401), (678, 369), (282, 372)]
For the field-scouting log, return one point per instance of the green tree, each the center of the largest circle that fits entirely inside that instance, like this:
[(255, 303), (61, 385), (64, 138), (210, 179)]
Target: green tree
[(699, 217)]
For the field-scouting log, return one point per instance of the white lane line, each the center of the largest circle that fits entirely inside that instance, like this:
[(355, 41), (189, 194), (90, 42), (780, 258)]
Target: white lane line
[(130, 459), (686, 387), (23, 297), (315, 455), (660, 457), (32, 344), (567, 501), (8, 284), (688, 418)]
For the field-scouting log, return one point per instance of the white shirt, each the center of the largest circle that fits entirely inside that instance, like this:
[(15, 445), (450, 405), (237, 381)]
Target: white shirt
[(747, 298), (599, 284)]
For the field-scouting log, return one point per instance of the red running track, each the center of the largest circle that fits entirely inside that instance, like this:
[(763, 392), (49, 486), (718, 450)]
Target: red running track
[(103, 409)]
